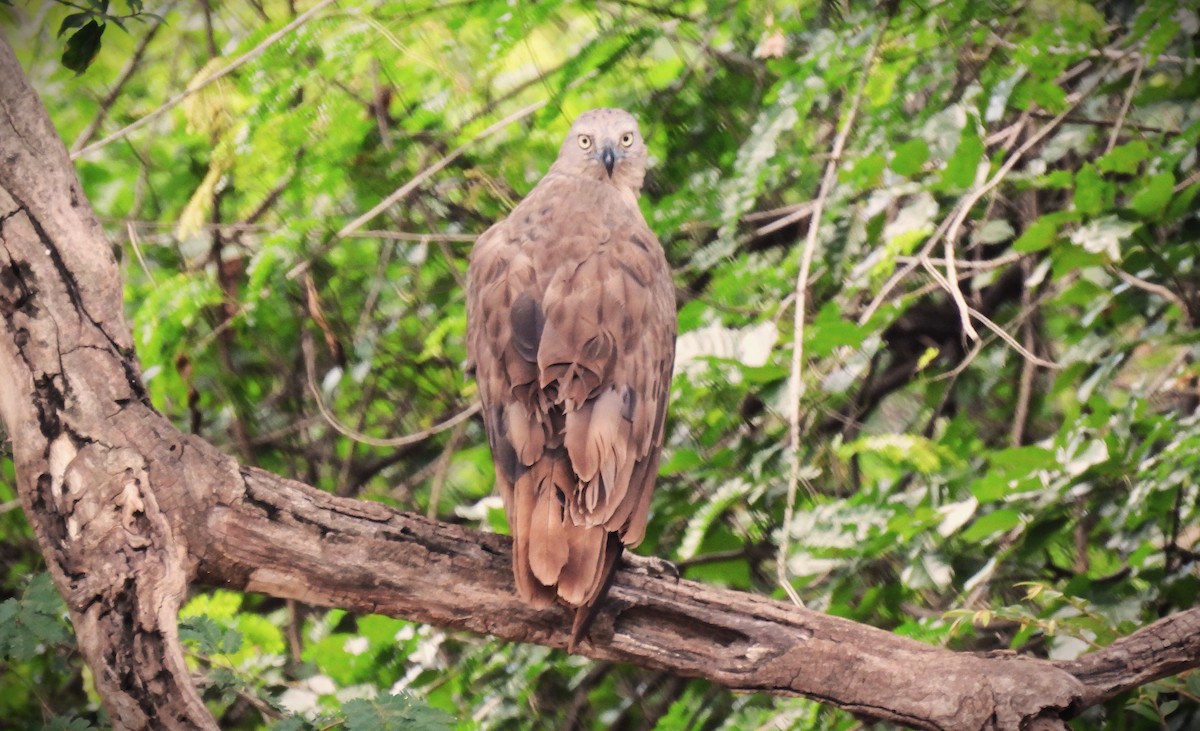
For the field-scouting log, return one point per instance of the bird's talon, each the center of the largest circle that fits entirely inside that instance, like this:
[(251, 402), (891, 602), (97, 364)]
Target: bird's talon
[(650, 565)]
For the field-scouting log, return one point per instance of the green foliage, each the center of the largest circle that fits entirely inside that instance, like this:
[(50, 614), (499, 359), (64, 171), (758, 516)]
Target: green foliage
[(29, 624), (88, 26), (393, 713), (956, 492), (397, 712), (36, 659), (209, 637)]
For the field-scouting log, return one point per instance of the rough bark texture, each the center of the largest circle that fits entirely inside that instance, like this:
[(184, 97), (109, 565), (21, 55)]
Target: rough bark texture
[(128, 512)]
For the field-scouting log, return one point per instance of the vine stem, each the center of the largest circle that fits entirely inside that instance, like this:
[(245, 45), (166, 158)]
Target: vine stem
[(796, 382)]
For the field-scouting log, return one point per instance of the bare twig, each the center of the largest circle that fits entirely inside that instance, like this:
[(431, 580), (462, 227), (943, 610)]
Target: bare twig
[(137, 250), (441, 469), (1183, 184), (969, 201), (1025, 383), (1116, 130), (985, 265), (984, 578), (238, 63), (802, 210), (407, 236), (131, 66), (310, 369), (951, 225), (1012, 342), (1147, 128), (796, 383), (1155, 289), (428, 172), (1112, 54)]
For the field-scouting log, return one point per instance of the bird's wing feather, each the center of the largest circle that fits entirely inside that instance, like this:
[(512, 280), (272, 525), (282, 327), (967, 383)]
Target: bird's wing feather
[(571, 327)]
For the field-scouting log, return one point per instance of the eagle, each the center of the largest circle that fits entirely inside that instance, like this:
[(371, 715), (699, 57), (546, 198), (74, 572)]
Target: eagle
[(571, 334)]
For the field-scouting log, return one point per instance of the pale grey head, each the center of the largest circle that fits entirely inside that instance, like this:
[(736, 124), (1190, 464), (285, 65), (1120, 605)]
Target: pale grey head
[(604, 145)]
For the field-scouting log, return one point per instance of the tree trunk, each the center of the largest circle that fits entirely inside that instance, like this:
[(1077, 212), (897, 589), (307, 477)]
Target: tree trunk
[(129, 512)]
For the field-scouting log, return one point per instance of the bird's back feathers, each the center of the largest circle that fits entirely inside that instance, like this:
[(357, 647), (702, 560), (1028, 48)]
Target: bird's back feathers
[(571, 329)]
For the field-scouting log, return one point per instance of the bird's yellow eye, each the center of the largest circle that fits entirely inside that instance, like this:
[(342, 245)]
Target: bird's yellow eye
[(585, 142), (627, 139)]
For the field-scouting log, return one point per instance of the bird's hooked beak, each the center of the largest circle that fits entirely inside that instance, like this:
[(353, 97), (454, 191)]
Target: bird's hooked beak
[(608, 156)]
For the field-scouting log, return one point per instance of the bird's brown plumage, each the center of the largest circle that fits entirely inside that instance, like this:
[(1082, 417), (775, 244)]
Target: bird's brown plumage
[(571, 331)]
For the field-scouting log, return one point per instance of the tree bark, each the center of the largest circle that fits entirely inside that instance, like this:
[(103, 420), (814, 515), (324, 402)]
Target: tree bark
[(129, 512)]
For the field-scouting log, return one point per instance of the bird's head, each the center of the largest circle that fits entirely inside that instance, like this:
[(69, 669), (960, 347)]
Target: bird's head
[(605, 145)]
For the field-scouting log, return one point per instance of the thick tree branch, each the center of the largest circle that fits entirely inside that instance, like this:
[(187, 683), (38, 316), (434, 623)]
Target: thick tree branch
[(69, 391), (287, 539)]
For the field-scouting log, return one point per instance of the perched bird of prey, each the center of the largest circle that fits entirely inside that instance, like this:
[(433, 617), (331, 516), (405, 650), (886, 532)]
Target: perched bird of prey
[(571, 332)]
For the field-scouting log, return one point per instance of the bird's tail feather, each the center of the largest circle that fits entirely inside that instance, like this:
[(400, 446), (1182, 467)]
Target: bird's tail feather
[(585, 615)]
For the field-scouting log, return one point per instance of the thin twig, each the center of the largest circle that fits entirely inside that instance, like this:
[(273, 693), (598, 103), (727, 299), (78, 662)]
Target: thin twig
[(968, 202), (1116, 130), (1155, 289), (1147, 128), (230, 229), (985, 265), (441, 470), (802, 210), (407, 236), (310, 369), (1025, 383), (999, 553), (131, 66), (1038, 136), (137, 250), (428, 172), (1112, 54), (1183, 184), (796, 384), (1012, 342), (238, 63)]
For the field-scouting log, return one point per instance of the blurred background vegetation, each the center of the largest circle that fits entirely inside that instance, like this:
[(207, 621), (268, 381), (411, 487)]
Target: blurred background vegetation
[(1031, 488)]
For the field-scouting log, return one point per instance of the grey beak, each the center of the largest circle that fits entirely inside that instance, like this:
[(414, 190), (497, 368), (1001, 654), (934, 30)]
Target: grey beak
[(609, 158)]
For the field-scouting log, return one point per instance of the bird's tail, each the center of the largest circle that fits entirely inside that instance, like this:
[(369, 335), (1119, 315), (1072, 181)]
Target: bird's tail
[(585, 615)]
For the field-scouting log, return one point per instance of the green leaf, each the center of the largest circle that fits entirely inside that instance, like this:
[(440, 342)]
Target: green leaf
[(910, 156), (964, 163), (1091, 192), (33, 622), (1153, 199), (992, 232), (1124, 159), (830, 330), (1023, 460), (394, 713), (1039, 235), (74, 20), (912, 451), (210, 638), (1145, 710), (1049, 96), (986, 526), (1193, 682), (82, 47), (1164, 32), (864, 174)]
